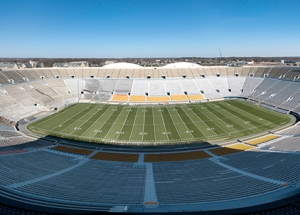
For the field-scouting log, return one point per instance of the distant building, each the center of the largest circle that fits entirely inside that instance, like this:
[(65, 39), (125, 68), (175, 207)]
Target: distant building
[(8, 65), (39, 65), (288, 61), (28, 65), (94, 65), (237, 63), (72, 64)]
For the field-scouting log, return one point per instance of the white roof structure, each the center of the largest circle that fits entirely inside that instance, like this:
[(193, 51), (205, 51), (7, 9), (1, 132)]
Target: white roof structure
[(182, 65), (122, 65)]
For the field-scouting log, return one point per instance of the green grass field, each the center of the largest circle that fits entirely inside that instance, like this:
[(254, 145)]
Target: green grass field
[(159, 124)]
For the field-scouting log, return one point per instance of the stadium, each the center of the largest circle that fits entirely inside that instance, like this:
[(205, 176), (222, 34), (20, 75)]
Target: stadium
[(166, 140)]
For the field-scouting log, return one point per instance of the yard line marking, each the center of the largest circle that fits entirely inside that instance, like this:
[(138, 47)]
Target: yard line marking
[(250, 114), (244, 114), (144, 123), (95, 123), (196, 123), (164, 123), (153, 124), (183, 123), (87, 120), (124, 123), (214, 123), (113, 123), (174, 123), (223, 110), (58, 114), (219, 117), (74, 119), (133, 125), (186, 123), (109, 108)]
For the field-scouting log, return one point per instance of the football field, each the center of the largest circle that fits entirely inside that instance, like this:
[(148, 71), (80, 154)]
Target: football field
[(104, 123)]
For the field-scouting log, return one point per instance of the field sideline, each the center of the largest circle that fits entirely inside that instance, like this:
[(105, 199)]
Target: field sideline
[(159, 124)]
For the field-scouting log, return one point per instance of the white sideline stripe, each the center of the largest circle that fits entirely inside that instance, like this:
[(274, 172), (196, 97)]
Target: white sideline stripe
[(24, 183)]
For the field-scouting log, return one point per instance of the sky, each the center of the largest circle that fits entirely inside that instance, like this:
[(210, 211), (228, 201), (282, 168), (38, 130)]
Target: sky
[(149, 28)]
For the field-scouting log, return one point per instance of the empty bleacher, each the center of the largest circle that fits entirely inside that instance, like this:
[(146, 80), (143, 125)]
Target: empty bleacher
[(134, 98), (206, 71), (173, 87), (116, 157), (94, 181), (123, 86), (139, 87), (175, 156), (250, 84), (158, 98), (92, 85), (281, 92), (13, 75), (280, 166), (203, 181), (273, 90), (290, 100), (157, 88), (264, 86), (3, 78), (263, 139), (178, 97), (197, 97), (262, 71), (26, 75), (21, 94), (119, 98), (221, 85), (290, 144), (238, 147), (230, 71), (75, 86), (67, 149), (235, 84), (208, 90), (30, 165), (189, 86), (292, 73)]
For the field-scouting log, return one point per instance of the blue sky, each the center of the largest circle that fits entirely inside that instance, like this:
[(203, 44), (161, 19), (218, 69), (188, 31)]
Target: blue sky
[(149, 28)]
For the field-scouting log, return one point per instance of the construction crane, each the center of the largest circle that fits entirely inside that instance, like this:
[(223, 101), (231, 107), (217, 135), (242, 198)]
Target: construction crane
[(220, 52)]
